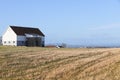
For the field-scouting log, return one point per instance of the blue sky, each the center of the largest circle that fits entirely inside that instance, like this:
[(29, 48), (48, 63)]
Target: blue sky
[(82, 22)]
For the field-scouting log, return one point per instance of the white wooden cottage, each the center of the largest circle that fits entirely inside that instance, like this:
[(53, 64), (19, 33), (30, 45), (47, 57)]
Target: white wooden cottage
[(23, 36)]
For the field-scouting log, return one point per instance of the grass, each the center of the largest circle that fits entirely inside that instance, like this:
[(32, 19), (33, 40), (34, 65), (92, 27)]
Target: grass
[(34, 63)]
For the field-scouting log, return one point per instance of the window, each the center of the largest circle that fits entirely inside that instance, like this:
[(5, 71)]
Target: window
[(22, 42), (8, 41), (4, 41), (13, 41)]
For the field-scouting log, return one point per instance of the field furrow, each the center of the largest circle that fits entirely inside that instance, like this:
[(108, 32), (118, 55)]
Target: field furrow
[(34, 63)]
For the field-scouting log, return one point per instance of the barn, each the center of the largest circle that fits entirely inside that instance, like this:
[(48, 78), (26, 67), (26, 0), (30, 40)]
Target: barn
[(23, 36)]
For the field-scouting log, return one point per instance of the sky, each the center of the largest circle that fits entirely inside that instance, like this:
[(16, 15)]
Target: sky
[(76, 22)]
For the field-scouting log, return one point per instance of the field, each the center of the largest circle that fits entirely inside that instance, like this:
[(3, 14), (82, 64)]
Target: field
[(34, 63)]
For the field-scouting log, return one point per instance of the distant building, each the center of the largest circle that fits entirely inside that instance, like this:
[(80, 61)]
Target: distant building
[(23, 36), (0, 40)]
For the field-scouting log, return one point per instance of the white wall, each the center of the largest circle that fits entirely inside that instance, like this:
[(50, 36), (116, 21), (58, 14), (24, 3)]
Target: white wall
[(9, 37)]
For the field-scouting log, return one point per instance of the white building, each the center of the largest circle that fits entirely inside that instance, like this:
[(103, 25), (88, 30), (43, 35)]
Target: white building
[(23, 36), (0, 40)]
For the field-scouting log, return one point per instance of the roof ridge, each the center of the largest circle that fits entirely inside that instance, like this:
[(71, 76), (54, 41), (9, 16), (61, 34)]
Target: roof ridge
[(22, 26)]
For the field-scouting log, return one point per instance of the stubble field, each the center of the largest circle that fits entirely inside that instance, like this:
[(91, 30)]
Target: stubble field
[(34, 63)]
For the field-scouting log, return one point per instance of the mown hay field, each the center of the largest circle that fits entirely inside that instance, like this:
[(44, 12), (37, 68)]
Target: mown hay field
[(34, 63)]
